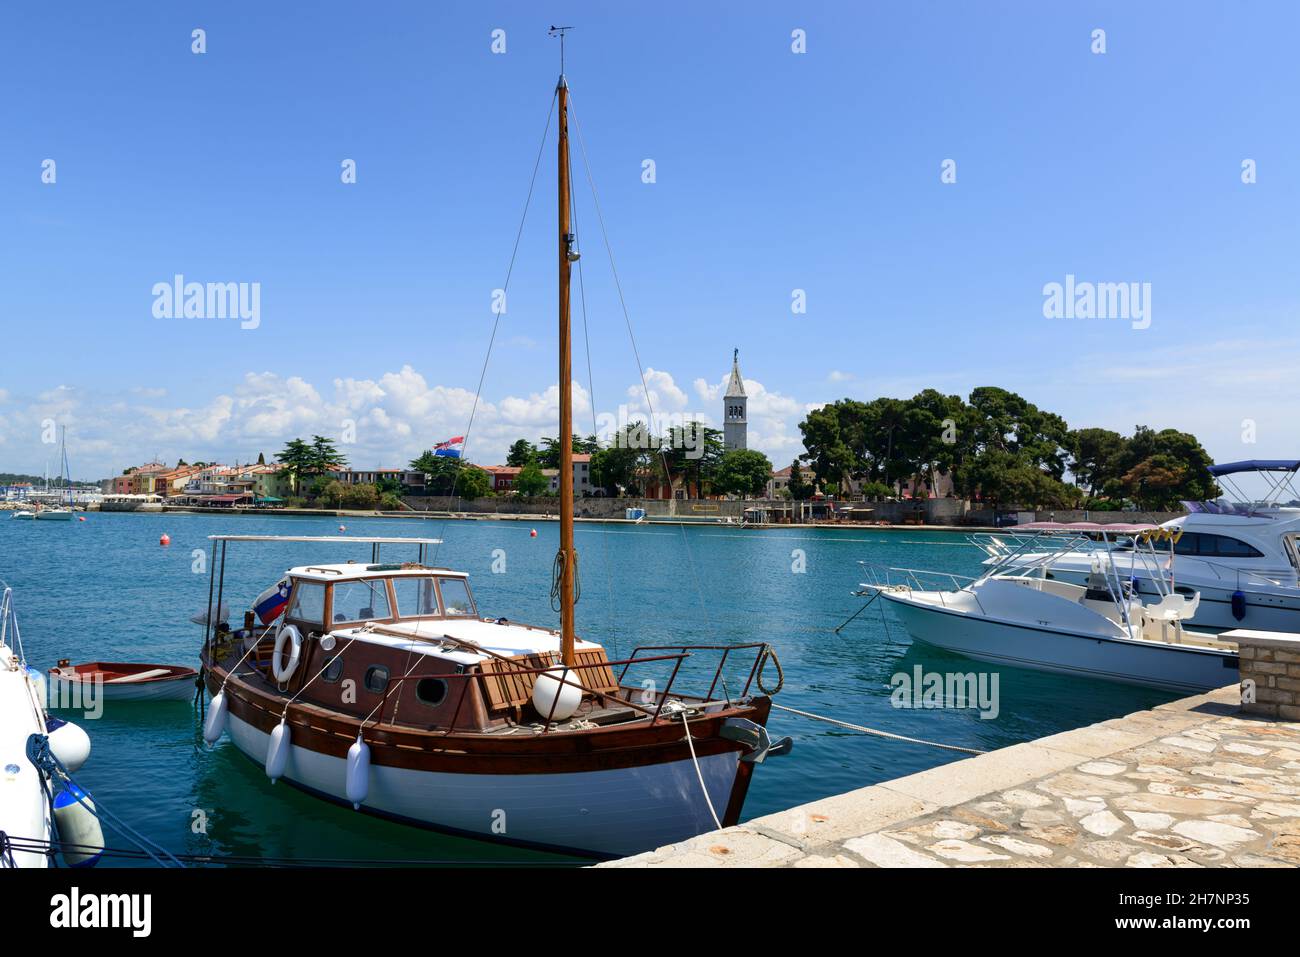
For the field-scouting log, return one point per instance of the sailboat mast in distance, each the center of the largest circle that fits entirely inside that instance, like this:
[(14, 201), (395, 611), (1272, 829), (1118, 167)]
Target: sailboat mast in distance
[(567, 558)]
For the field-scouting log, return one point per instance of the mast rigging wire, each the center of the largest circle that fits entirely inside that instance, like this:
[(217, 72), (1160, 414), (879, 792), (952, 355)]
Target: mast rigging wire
[(496, 322)]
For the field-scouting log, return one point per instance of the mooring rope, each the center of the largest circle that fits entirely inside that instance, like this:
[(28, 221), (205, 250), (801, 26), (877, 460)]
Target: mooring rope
[(690, 743), (877, 732)]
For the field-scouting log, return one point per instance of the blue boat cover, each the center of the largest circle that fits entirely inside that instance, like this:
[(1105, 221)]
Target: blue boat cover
[(1256, 465)]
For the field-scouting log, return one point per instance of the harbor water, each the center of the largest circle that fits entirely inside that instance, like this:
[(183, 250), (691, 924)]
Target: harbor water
[(104, 589)]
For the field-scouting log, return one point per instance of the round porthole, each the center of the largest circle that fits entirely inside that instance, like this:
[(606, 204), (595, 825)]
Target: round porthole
[(432, 691), (376, 679)]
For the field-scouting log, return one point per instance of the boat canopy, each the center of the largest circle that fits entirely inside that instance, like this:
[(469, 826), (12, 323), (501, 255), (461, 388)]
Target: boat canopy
[(1256, 465), (1115, 528)]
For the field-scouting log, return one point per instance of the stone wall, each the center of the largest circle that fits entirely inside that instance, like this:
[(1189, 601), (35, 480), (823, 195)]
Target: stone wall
[(1270, 672), (592, 507), (934, 511)]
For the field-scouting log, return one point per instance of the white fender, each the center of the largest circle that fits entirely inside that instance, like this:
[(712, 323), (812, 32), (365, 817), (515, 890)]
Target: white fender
[(277, 753), (283, 670), (79, 829), (358, 784), (68, 743), (557, 693), (216, 722)]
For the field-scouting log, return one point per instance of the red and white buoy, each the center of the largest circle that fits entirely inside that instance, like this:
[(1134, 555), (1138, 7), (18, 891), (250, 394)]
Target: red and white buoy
[(532, 533), (165, 539), (343, 528)]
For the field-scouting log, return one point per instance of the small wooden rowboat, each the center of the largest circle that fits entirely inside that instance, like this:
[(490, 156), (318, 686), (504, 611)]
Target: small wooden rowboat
[(126, 681)]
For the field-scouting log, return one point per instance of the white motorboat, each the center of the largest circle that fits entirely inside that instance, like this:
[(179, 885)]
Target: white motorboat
[(23, 514), (32, 825), (1244, 560), (1015, 614), (53, 515)]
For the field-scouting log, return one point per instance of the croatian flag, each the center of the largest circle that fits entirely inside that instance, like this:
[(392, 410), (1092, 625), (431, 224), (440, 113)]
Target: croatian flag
[(451, 448), (271, 602)]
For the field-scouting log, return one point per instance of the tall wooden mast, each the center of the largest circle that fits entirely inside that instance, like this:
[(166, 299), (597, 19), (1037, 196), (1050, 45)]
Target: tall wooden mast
[(567, 557)]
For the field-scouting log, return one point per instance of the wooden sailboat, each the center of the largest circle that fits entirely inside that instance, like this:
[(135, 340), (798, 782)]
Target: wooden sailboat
[(381, 686)]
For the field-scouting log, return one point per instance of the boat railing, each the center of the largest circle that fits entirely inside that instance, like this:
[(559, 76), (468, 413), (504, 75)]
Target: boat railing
[(560, 673), (10, 636), (1228, 573), (762, 650), (916, 579)]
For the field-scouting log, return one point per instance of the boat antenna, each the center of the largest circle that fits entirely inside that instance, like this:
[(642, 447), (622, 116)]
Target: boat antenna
[(554, 31)]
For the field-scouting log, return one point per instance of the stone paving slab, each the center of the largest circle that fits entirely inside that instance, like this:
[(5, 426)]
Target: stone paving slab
[(1192, 783)]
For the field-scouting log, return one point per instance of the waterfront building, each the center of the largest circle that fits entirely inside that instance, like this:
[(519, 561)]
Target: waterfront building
[(780, 480), (412, 482)]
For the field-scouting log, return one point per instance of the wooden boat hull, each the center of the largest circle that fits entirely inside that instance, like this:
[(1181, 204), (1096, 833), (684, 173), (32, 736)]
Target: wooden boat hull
[(612, 793), (72, 685), (601, 814)]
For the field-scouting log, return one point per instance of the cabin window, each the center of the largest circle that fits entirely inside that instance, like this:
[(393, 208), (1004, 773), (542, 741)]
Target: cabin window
[(334, 670), (308, 603), (1206, 545), (415, 597), (362, 600), (376, 679), (432, 691), (455, 596)]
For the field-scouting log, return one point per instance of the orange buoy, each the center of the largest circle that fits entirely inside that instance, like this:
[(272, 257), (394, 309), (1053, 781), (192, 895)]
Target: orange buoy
[(81, 518), (532, 533), (165, 540)]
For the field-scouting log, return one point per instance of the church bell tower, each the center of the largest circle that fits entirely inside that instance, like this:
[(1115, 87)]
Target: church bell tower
[(735, 421)]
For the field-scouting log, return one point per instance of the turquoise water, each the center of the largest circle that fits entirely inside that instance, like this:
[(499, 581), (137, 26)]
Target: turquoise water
[(105, 589)]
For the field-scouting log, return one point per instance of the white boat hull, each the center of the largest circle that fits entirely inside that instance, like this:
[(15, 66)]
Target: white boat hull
[(1169, 667), (51, 516), (600, 813), (24, 812)]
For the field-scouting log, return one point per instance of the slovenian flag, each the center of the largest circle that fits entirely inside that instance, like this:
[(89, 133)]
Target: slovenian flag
[(451, 448), (271, 602)]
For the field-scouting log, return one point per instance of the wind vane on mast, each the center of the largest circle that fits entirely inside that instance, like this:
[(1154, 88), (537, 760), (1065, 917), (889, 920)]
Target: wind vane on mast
[(554, 31)]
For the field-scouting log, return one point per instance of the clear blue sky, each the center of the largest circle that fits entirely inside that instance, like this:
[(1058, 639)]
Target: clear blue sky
[(775, 172)]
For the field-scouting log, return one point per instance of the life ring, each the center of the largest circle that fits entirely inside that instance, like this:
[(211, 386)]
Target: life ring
[(283, 670)]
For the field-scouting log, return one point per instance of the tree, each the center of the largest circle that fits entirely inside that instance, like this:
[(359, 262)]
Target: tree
[(1096, 457), (521, 453), (360, 497), (1164, 468), (473, 482), (799, 489), (531, 482), (295, 461), (743, 472), (324, 456), (445, 475), (620, 466), (692, 453), (548, 453), (826, 435), (331, 493)]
